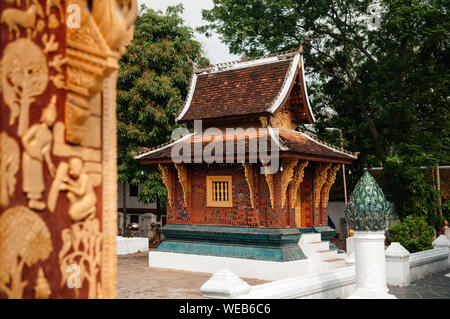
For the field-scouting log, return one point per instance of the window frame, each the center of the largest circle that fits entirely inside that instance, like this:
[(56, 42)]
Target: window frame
[(209, 191)]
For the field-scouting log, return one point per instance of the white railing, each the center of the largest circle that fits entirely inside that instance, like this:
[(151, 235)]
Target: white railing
[(337, 283)]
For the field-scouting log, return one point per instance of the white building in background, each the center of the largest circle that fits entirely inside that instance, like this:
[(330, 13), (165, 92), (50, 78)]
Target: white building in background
[(135, 211)]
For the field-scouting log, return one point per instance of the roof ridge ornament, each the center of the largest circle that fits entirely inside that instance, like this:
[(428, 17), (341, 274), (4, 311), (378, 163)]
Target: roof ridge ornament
[(195, 69), (306, 39)]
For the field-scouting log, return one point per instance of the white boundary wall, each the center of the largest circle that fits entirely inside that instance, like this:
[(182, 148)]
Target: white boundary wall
[(248, 268), (403, 268), (337, 283), (131, 245)]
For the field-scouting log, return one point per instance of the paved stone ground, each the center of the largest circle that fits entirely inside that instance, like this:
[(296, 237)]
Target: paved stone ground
[(436, 286), (136, 280)]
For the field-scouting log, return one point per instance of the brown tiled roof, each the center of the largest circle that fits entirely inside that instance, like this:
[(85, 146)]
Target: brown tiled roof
[(289, 143), (239, 89)]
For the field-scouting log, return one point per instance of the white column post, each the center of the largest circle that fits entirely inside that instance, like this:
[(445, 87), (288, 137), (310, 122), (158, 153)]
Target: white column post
[(370, 266), (397, 265)]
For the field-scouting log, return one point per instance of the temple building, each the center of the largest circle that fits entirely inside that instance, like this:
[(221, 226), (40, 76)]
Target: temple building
[(247, 182)]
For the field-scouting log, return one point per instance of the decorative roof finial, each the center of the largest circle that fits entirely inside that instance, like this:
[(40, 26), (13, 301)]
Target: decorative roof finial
[(244, 57), (305, 39), (194, 66)]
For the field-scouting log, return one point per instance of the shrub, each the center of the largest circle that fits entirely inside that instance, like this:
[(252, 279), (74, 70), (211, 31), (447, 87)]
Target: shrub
[(413, 233)]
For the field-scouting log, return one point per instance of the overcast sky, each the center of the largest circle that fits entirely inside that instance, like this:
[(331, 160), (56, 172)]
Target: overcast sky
[(215, 50)]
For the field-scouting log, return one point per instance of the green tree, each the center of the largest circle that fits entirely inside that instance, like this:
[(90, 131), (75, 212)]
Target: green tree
[(377, 70), (152, 85)]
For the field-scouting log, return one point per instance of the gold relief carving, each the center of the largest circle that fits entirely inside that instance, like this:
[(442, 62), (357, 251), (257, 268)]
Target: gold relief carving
[(249, 178), (80, 192), (24, 76), (37, 142), (269, 181), (60, 148), (283, 119), (24, 240), (263, 121), (331, 178), (320, 177), (166, 175), (117, 29), (82, 244), (109, 189), (15, 18), (9, 166), (42, 288), (50, 44), (286, 177), (58, 5), (183, 179), (53, 22), (299, 173)]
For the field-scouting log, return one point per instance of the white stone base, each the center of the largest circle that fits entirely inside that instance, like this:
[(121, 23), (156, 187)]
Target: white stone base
[(371, 294), (125, 245), (247, 268)]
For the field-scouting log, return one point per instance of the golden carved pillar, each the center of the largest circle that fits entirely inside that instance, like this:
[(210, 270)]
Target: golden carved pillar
[(320, 177), (166, 175), (58, 174), (249, 171), (185, 183), (331, 178), (286, 177)]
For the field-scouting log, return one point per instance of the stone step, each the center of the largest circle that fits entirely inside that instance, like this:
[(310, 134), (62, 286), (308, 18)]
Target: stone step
[(326, 254), (315, 246), (310, 237), (334, 263)]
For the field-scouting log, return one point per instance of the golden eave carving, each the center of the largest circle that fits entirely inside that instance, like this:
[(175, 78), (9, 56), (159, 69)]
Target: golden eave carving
[(184, 181), (320, 177), (166, 174), (299, 173), (331, 178), (286, 177), (269, 180), (249, 178)]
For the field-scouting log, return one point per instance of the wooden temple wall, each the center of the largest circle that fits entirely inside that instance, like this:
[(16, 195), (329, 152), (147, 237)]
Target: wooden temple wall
[(242, 214)]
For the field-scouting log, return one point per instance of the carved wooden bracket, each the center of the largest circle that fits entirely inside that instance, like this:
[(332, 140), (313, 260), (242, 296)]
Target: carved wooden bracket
[(286, 177), (269, 180), (184, 181), (320, 177), (249, 178), (329, 182), (166, 174), (299, 173)]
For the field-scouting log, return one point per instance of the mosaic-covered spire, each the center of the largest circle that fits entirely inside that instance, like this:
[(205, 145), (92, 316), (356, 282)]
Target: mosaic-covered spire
[(368, 209)]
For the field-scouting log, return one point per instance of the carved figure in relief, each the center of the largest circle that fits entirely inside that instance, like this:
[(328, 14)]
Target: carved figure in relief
[(24, 76), (57, 4), (37, 143), (80, 192), (15, 18), (9, 166), (24, 240)]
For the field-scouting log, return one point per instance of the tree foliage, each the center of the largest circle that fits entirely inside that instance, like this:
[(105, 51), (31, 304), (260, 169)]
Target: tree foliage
[(413, 233), (377, 70), (152, 85)]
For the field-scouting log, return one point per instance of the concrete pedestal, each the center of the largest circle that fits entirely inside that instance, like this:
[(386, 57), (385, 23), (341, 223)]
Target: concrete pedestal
[(370, 266)]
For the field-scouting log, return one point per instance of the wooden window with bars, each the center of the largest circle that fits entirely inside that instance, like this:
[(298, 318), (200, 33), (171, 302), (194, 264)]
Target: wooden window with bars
[(219, 191)]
